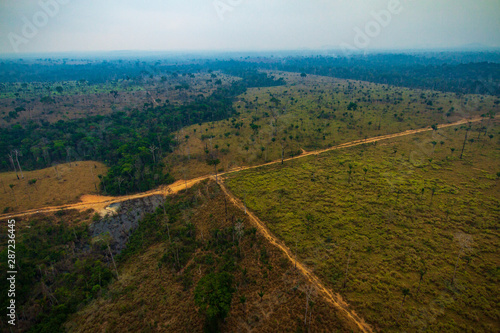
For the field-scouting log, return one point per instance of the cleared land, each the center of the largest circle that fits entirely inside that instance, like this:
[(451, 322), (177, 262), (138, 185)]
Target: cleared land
[(405, 214), (311, 113), (156, 294), (58, 185)]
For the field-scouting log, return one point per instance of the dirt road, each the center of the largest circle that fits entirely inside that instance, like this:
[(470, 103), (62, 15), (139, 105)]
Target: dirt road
[(99, 202), (334, 299)]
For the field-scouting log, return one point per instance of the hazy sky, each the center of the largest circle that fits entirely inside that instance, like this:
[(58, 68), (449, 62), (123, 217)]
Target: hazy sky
[(189, 25)]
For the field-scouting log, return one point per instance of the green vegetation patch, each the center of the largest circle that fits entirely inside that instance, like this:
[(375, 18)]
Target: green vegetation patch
[(405, 229)]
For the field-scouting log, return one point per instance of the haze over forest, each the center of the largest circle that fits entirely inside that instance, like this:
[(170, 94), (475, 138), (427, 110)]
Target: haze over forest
[(244, 25)]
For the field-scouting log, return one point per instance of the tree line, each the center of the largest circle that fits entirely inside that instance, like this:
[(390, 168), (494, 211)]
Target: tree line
[(133, 144)]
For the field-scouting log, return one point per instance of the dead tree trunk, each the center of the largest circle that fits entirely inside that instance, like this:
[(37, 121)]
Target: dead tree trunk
[(19, 165), (465, 141)]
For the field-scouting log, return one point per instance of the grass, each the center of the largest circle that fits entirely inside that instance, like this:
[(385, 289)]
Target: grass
[(147, 298), (313, 113), (54, 186), (415, 210)]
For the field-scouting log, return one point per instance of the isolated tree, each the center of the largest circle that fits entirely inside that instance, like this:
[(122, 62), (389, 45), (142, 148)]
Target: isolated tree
[(465, 141), (405, 292), (349, 172), (422, 272), (33, 182), (214, 162), (12, 189), (452, 150), (261, 294), (365, 169)]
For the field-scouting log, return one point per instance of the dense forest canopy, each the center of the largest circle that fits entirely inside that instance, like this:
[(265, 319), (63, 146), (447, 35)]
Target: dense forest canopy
[(405, 71), (459, 72)]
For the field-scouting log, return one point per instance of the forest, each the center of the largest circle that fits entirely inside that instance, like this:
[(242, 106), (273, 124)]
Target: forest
[(133, 144)]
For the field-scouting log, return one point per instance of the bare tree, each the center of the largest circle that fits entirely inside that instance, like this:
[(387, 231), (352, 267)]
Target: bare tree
[(239, 230), (152, 149), (57, 172), (422, 272), (106, 239), (68, 155), (11, 159), (120, 180), (465, 141), (16, 152)]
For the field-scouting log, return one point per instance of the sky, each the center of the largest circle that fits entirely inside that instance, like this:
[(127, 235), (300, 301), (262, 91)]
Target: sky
[(245, 25)]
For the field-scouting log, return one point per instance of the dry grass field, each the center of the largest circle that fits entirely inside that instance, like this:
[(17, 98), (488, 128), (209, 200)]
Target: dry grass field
[(54, 186)]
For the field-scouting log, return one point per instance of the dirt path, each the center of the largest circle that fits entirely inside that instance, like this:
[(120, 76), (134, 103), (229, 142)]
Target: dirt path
[(99, 202), (334, 299)]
